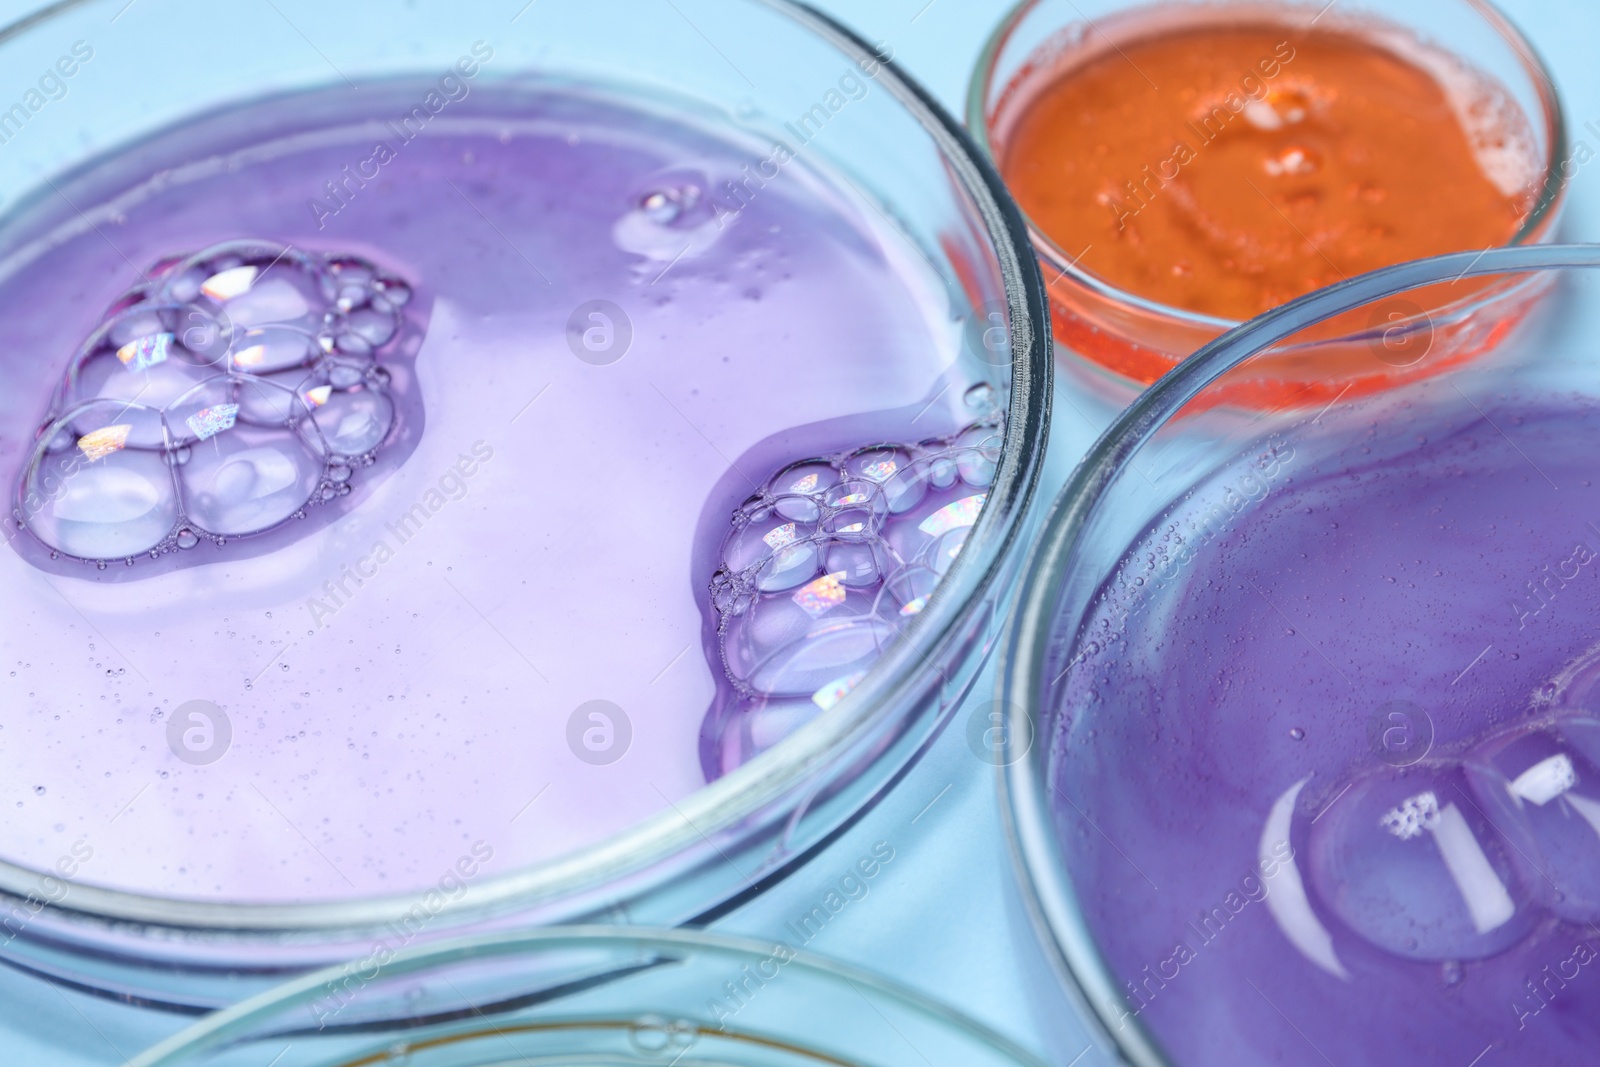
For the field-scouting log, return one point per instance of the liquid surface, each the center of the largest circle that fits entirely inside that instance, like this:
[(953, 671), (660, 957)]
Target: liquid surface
[(1228, 168), (1332, 752), (405, 682)]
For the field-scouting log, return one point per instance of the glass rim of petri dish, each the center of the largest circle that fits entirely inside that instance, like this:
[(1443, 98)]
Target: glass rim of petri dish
[(867, 729), (276, 1015), (1047, 886), (1550, 195)]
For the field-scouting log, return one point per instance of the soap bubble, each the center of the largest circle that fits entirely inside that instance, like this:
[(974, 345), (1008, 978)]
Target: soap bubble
[(1408, 859), (213, 401), (824, 568), (1541, 782)]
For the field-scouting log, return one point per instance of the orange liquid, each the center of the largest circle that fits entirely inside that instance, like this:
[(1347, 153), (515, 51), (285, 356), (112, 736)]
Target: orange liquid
[(1350, 158), (1225, 168)]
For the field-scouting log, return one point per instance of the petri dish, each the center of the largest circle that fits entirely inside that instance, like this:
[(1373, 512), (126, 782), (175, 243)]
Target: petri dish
[(1325, 679), (396, 479), (591, 995), (1272, 109)]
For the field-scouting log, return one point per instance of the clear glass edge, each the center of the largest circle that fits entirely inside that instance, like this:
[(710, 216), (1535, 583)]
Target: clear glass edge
[(792, 769), (1550, 199), (1049, 898), (235, 1023)]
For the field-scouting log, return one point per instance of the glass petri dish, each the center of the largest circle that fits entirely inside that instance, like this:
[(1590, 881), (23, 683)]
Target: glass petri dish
[(1288, 668), (468, 337), (590, 995), (1139, 339)]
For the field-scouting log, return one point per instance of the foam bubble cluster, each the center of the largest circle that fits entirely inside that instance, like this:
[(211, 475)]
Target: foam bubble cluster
[(824, 568), (1460, 859), (220, 398)]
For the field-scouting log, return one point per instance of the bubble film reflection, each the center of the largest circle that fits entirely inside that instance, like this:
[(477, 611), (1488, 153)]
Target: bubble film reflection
[(823, 569), (1407, 859), (1359, 667), (216, 400)]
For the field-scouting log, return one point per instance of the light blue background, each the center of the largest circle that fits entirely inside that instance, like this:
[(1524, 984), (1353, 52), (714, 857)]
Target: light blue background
[(938, 917)]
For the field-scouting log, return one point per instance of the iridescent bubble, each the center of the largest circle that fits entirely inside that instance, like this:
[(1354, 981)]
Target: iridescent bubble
[(203, 412), (269, 349), (101, 499), (907, 591), (877, 465), (789, 567), (759, 643), (207, 401), (255, 283), (851, 524), (900, 477), (755, 541), (814, 583), (811, 478)]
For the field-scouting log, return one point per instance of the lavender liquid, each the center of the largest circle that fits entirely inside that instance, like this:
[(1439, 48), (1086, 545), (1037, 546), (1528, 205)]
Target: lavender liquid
[(1341, 796), (488, 399)]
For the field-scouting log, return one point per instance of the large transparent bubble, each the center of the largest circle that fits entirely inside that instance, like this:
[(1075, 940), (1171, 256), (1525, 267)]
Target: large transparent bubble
[(1409, 859), (221, 398), (1541, 781)]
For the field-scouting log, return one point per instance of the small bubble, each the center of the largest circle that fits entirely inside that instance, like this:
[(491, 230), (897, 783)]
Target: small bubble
[(38, 790), (1297, 734)]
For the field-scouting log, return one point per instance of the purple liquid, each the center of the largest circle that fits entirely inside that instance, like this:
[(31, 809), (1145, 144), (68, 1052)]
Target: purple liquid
[(826, 566), (1340, 794), (396, 709)]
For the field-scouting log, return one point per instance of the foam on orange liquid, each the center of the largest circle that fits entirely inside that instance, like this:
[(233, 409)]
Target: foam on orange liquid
[(1227, 166)]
